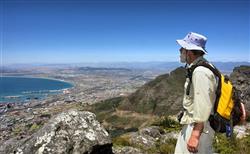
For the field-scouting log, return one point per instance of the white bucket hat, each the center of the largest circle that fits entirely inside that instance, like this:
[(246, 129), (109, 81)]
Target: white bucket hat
[(193, 41)]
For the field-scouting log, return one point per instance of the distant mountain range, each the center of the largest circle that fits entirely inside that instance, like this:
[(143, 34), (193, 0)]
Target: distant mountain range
[(102, 69), (225, 67)]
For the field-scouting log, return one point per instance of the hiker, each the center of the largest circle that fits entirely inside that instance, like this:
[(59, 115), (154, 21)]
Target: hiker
[(196, 135)]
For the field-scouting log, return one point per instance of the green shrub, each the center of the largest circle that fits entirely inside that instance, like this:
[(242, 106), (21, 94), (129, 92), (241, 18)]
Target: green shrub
[(107, 105), (17, 130), (167, 123), (163, 148), (34, 127), (121, 141), (224, 145), (169, 147), (244, 145), (118, 120)]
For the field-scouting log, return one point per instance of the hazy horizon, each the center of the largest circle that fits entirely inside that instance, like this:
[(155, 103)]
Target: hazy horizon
[(115, 62)]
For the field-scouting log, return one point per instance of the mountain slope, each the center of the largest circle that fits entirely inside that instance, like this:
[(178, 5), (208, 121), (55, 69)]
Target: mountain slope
[(162, 96)]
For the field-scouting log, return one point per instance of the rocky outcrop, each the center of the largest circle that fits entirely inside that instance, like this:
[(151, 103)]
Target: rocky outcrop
[(241, 80), (242, 130), (69, 132), (147, 139), (127, 150)]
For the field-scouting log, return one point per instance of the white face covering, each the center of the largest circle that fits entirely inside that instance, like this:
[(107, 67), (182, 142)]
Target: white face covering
[(183, 57)]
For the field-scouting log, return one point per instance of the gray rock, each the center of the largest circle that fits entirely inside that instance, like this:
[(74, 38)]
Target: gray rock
[(69, 132), (153, 131), (242, 131), (241, 80), (146, 139), (149, 137), (127, 150), (6, 122), (170, 135)]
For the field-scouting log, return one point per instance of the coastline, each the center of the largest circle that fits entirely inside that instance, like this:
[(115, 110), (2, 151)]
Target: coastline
[(47, 78), (35, 95)]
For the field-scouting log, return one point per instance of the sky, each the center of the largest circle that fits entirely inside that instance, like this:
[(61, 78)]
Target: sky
[(79, 31)]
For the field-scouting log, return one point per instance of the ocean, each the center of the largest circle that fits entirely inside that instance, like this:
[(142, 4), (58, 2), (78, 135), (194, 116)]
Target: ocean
[(23, 89)]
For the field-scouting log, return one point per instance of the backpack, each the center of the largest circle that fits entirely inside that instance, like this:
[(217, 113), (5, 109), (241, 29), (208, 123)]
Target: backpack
[(228, 109)]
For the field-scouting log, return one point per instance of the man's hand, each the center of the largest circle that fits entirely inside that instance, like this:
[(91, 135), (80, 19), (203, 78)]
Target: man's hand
[(192, 144), (193, 141)]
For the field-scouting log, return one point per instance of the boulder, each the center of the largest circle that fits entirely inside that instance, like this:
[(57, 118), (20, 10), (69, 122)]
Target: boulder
[(150, 137), (69, 132), (241, 80), (127, 150), (242, 131)]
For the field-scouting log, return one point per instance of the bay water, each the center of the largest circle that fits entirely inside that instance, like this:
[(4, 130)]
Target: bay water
[(23, 89)]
